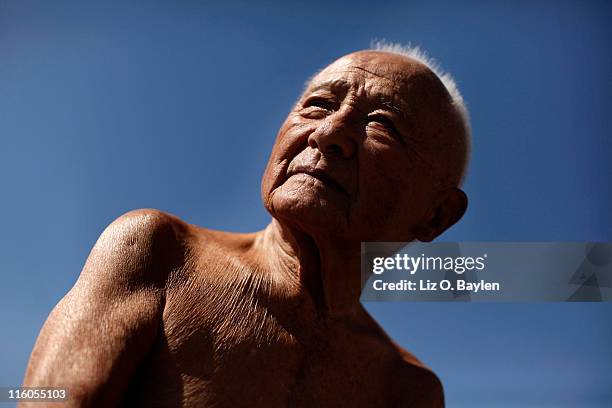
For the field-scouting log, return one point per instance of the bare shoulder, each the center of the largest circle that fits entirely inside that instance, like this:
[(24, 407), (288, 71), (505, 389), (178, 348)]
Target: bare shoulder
[(141, 245), (409, 382), (98, 334), (143, 227), (425, 387)]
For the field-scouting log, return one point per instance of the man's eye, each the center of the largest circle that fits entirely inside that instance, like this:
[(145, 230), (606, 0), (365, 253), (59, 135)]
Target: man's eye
[(319, 103), (384, 121)]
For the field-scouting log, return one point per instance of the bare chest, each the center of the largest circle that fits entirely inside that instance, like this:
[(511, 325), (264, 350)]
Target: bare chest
[(228, 347)]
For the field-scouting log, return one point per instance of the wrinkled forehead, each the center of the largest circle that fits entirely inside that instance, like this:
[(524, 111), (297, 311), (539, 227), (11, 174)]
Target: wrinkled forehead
[(392, 70), (402, 78)]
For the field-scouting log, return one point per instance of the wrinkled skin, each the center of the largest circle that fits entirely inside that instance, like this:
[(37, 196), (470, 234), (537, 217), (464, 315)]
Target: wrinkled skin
[(170, 314)]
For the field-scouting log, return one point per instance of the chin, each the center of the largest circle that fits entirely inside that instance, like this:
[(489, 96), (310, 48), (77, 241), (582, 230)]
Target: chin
[(310, 213)]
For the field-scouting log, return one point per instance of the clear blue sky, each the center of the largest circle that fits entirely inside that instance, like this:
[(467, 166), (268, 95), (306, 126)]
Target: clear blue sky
[(174, 105)]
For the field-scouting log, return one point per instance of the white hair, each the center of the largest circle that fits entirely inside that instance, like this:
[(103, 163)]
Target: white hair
[(447, 80)]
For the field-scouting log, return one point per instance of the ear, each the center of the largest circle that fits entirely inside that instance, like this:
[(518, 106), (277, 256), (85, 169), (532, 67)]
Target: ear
[(451, 206)]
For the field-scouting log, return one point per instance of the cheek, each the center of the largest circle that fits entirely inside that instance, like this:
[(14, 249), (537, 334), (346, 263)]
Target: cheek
[(380, 193), (381, 169), (392, 189), (292, 138)]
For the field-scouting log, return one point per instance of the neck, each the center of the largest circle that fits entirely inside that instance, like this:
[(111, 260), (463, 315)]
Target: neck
[(325, 268)]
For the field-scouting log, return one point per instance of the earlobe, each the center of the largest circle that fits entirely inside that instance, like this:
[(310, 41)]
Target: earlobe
[(451, 207)]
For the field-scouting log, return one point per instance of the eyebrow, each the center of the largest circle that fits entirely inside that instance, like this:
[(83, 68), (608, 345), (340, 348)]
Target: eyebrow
[(401, 109), (387, 103), (328, 85)]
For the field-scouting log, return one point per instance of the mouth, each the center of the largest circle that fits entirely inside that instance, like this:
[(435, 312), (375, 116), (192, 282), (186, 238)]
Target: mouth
[(323, 178)]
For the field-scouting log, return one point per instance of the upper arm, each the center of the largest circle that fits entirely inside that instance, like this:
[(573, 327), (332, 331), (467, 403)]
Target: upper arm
[(95, 338)]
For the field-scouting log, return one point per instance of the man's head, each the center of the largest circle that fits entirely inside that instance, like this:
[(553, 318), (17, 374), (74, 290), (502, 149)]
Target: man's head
[(375, 149)]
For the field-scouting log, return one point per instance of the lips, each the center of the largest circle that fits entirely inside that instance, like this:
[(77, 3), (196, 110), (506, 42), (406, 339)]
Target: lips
[(319, 175)]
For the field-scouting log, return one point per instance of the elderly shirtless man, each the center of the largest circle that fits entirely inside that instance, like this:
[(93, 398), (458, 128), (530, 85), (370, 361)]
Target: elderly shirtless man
[(168, 314)]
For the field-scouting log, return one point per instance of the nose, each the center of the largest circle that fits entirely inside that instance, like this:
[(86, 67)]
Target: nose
[(333, 137)]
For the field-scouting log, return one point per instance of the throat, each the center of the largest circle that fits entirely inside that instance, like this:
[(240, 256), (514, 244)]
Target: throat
[(311, 278), (326, 273)]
